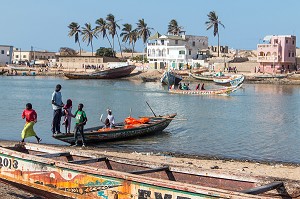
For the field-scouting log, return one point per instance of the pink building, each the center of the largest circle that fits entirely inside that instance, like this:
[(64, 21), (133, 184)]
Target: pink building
[(277, 54)]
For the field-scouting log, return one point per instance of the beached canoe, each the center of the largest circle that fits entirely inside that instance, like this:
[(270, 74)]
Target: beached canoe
[(149, 79), (54, 172), (170, 78), (121, 130), (111, 73), (203, 77), (226, 91)]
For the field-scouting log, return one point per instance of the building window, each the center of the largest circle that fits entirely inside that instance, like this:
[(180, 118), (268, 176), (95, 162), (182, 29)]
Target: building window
[(162, 42), (2, 52), (176, 41), (292, 54), (181, 52), (286, 41), (293, 42), (289, 54), (194, 43), (24, 56), (190, 52), (17, 56)]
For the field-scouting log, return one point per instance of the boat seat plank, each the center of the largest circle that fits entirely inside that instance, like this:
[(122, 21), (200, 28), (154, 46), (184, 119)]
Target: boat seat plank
[(53, 155), (88, 161), (264, 188), (166, 168)]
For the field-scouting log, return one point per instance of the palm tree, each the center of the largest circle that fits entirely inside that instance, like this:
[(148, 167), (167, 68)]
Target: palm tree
[(129, 34), (112, 27), (75, 31), (174, 28), (213, 21), (143, 32), (102, 28), (88, 34)]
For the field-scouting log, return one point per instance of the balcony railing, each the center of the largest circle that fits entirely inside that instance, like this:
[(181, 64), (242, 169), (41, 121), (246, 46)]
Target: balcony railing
[(151, 56), (267, 45), (267, 59)]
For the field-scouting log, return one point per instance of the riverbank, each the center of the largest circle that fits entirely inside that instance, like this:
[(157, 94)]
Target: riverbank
[(136, 75), (288, 173)]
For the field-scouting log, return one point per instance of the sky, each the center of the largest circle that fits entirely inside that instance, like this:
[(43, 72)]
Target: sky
[(43, 24)]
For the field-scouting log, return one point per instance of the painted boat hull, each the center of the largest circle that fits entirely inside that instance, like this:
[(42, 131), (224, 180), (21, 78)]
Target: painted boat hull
[(100, 134), (170, 78), (60, 177), (105, 74), (226, 91)]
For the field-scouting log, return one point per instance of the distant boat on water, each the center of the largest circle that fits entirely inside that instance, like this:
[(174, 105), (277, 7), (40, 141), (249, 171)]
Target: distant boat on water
[(111, 73)]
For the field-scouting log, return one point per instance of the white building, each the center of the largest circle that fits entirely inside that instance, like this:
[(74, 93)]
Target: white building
[(6, 53), (174, 51)]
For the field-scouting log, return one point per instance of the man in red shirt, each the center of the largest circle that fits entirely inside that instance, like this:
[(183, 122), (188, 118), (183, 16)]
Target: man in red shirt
[(31, 118)]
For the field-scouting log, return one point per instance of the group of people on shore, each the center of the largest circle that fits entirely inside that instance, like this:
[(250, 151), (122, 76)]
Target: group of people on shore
[(61, 110)]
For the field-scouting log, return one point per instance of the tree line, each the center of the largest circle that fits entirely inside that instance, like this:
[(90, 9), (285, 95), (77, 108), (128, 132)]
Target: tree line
[(108, 28)]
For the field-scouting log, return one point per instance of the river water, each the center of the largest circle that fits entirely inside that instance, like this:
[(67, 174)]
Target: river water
[(258, 122)]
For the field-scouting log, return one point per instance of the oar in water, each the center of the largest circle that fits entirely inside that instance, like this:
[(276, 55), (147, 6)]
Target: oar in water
[(151, 109)]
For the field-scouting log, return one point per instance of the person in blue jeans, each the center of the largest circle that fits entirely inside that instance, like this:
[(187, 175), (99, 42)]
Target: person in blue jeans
[(81, 120), (57, 105)]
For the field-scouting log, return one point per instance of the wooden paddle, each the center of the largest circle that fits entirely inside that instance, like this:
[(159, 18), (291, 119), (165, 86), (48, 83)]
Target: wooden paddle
[(164, 117)]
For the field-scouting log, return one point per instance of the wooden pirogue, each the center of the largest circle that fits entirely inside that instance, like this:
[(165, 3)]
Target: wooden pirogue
[(121, 130), (112, 73), (56, 172), (218, 91)]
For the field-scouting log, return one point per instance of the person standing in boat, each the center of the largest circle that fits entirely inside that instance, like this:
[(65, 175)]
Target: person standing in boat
[(67, 112), (57, 105), (110, 119), (31, 118), (81, 120), (197, 87), (202, 87)]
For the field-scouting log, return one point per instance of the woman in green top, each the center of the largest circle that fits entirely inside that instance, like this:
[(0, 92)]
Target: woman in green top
[(81, 120)]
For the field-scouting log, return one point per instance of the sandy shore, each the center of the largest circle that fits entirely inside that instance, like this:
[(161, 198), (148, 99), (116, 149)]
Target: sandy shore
[(288, 173)]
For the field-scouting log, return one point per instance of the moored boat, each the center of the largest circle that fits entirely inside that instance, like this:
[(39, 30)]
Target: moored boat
[(149, 79), (229, 80), (204, 77), (170, 78), (55, 172), (111, 73), (226, 91), (121, 130)]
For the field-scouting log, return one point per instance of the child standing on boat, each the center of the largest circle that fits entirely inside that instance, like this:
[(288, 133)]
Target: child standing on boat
[(31, 118), (81, 120), (68, 115)]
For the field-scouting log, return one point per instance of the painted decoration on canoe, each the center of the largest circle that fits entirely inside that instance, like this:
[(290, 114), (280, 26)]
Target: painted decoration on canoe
[(72, 183)]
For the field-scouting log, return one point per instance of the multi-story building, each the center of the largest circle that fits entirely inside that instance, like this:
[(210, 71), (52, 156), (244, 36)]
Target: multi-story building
[(174, 51), (6, 53), (28, 56), (278, 54)]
